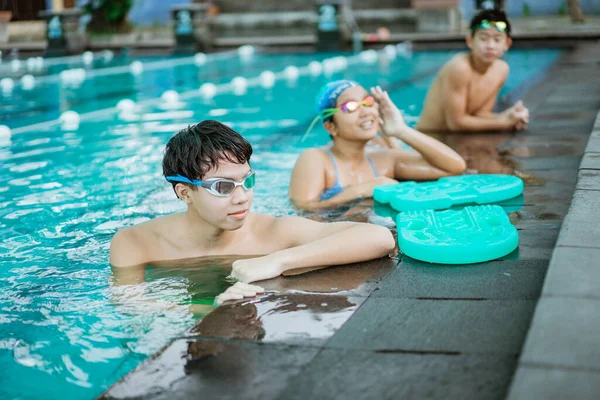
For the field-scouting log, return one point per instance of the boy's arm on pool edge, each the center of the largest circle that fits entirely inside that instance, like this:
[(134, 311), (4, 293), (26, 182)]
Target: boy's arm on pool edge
[(455, 93), (311, 244), (486, 110)]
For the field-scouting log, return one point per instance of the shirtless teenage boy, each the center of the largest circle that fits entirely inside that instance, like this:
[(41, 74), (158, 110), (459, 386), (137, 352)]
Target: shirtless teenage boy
[(209, 167), (464, 92)]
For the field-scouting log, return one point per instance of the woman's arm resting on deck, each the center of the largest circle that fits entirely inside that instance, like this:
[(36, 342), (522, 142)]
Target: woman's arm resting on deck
[(440, 159), (435, 158), (311, 244)]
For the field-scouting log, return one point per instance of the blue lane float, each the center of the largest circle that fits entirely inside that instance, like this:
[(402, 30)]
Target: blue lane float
[(471, 235), (450, 191)]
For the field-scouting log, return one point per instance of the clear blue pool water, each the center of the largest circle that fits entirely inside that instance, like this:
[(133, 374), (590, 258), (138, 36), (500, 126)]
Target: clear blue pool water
[(66, 330)]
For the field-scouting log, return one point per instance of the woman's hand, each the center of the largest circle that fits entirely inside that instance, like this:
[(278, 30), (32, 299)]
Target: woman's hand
[(238, 291), (256, 269), (392, 121)]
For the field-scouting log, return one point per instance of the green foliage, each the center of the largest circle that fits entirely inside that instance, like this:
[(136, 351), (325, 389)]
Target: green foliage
[(562, 10), (108, 15), (526, 9), (111, 10)]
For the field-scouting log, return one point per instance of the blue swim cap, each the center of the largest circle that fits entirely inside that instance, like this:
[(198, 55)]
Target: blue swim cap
[(329, 94), (326, 99)]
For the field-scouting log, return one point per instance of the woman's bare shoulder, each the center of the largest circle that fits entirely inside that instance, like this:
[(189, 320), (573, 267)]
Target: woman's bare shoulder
[(312, 154)]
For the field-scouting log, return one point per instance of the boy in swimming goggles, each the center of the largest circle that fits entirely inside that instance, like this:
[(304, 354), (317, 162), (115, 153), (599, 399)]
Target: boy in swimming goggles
[(463, 94), (208, 166)]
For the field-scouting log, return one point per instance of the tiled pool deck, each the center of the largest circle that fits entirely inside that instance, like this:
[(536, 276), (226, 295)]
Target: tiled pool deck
[(561, 356), (421, 331)]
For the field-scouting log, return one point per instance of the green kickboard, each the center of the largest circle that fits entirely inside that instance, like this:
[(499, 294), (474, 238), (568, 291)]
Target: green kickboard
[(450, 191), (471, 235)]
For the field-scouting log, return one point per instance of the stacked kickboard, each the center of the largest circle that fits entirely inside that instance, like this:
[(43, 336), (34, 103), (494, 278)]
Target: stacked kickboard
[(468, 235)]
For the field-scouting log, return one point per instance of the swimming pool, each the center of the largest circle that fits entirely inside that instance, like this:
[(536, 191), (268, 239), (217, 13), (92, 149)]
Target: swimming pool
[(64, 324)]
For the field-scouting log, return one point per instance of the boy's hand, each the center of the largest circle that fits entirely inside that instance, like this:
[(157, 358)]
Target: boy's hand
[(237, 292), (256, 269), (518, 115), (392, 119)]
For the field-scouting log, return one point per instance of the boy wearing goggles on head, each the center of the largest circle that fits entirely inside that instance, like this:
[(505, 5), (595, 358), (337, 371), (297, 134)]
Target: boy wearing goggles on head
[(464, 92), (208, 166)]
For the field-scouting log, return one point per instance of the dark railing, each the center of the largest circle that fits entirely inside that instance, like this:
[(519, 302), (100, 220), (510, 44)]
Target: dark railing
[(23, 10)]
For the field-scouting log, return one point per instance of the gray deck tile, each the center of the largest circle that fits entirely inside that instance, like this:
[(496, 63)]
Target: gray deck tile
[(430, 325), (564, 332), (573, 271), (504, 279), (532, 383), (343, 374)]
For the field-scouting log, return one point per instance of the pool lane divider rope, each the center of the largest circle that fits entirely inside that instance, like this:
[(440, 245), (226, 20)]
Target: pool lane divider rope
[(126, 69), (190, 94)]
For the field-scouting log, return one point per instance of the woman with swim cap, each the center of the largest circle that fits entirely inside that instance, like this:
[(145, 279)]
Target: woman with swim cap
[(343, 171)]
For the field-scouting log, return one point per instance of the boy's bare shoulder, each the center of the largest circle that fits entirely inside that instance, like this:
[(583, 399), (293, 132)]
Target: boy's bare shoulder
[(264, 228), (269, 225), (133, 243), (147, 229), (457, 71), (261, 222), (126, 248), (502, 66), (458, 65)]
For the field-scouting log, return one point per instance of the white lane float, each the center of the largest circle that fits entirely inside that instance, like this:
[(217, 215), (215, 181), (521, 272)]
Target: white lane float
[(240, 85), (170, 100), (136, 67), (28, 82), (208, 90), (291, 73), (200, 59), (87, 57), (7, 85), (315, 68), (69, 121), (267, 79)]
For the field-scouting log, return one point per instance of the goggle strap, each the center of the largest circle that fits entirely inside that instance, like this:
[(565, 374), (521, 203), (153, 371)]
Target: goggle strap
[(326, 113), (178, 178)]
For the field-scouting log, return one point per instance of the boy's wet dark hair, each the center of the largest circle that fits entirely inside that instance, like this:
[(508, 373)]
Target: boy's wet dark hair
[(195, 150), (492, 15)]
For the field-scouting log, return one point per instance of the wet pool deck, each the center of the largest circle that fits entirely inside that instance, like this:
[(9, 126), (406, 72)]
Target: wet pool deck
[(561, 356), (415, 330)]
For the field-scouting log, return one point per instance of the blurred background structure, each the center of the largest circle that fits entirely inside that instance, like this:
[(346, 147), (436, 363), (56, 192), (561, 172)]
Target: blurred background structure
[(213, 24)]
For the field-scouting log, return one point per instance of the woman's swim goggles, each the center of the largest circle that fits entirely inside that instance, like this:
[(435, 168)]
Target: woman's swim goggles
[(220, 187), (485, 24), (347, 108)]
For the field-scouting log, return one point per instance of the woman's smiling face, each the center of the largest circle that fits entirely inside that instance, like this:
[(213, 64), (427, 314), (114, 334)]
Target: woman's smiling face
[(361, 124)]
